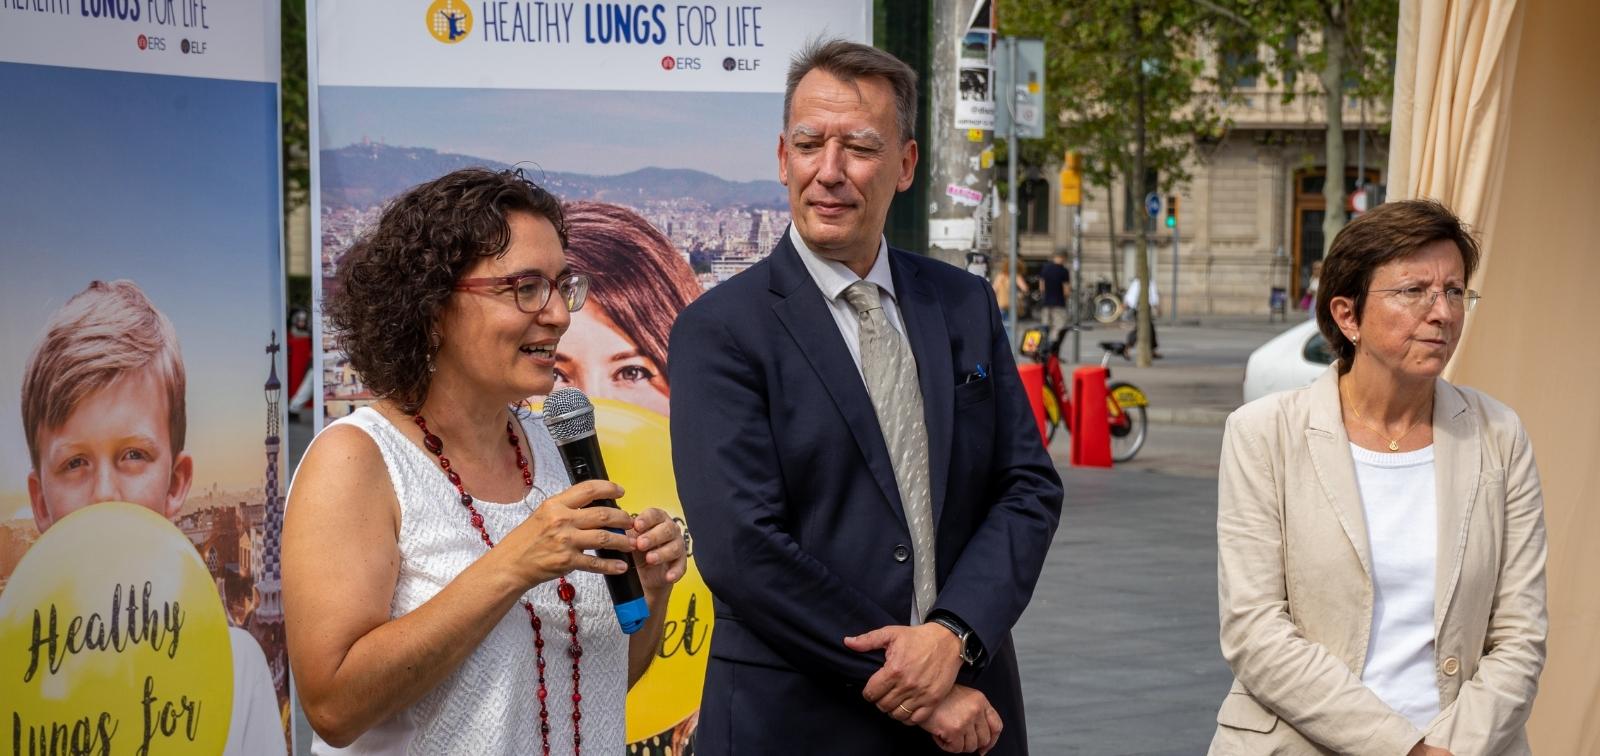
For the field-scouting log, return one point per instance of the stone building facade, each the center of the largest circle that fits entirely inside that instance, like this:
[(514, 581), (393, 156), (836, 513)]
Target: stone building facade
[(1250, 217)]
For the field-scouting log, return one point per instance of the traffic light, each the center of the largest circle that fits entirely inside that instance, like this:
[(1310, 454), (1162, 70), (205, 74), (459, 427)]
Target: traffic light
[(1071, 180), (1172, 211)]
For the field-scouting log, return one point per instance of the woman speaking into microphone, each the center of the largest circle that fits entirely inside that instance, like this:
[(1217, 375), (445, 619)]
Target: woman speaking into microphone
[(441, 594), (1380, 533)]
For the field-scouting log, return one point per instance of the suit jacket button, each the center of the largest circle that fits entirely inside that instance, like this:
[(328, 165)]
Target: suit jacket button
[(1451, 666), (901, 553)]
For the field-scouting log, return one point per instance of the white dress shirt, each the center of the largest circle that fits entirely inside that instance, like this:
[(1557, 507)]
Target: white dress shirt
[(1130, 299), (834, 277)]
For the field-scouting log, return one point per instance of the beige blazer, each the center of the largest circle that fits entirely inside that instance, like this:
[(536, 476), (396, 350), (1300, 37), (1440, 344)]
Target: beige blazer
[(1294, 584)]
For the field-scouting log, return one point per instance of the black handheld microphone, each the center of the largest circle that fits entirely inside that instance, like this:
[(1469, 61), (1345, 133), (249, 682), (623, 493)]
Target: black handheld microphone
[(570, 418)]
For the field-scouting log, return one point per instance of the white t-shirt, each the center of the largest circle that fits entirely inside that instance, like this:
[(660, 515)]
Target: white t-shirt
[(1398, 499)]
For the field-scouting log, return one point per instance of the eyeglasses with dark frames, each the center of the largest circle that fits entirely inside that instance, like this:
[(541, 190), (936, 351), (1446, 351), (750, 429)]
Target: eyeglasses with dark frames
[(532, 290)]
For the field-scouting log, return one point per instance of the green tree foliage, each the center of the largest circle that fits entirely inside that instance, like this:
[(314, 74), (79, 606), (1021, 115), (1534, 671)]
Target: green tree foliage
[(296, 119), (1123, 74), (1340, 50), (1095, 61)]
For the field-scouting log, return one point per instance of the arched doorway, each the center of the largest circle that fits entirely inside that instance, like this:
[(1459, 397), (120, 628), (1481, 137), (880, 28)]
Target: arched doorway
[(1309, 210)]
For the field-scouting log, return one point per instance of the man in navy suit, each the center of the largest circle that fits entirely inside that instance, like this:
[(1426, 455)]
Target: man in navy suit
[(870, 501)]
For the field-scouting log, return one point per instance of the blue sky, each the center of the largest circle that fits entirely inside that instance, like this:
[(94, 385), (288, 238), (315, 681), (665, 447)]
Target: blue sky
[(728, 134), (171, 182)]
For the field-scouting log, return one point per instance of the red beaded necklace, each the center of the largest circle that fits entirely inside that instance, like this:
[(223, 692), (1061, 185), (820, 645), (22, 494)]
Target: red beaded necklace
[(564, 589)]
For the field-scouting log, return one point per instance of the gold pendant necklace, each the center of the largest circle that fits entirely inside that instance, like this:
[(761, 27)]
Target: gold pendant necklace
[(1394, 443)]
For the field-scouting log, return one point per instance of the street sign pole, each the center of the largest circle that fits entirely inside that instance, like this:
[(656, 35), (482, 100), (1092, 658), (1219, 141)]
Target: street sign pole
[(1152, 207), (1010, 91), (1077, 280), (1174, 294), (1019, 112)]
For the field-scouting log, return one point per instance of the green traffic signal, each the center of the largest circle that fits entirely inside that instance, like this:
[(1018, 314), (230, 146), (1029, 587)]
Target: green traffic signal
[(1172, 221)]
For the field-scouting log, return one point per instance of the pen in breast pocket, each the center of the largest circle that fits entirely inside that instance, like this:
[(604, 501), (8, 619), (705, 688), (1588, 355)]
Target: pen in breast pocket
[(980, 372)]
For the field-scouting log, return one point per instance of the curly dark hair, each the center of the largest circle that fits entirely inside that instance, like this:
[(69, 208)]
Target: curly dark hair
[(393, 280)]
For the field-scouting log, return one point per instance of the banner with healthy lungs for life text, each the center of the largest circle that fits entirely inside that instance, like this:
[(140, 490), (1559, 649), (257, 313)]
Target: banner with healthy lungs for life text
[(656, 123), (141, 313)]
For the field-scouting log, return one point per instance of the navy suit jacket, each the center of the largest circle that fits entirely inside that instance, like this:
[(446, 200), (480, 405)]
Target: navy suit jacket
[(797, 523)]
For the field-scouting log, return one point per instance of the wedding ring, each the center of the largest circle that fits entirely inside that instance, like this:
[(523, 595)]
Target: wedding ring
[(908, 712)]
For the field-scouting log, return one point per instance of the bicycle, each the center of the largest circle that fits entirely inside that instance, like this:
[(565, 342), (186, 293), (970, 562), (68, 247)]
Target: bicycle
[(1106, 304), (1125, 403)]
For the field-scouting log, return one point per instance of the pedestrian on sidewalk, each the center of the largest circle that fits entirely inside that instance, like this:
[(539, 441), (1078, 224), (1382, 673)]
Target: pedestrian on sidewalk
[(1004, 290), (1130, 303), (1309, 300), (1393, 600), (1056, 281)]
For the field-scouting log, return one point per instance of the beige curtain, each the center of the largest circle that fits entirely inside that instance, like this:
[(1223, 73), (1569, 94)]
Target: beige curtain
[(1453, 78), (1496, 107)]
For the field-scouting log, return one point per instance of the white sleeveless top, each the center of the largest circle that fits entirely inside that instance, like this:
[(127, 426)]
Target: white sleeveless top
[(489, 705)]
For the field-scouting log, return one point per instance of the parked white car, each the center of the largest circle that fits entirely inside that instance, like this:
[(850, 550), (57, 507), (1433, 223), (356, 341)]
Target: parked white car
[(1290, 360)]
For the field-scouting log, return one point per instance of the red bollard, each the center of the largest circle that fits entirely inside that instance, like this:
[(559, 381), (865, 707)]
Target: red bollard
[(1091, 430), (1033, 385)]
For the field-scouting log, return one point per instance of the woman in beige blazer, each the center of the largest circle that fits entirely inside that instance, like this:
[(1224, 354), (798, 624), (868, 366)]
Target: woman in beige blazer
[(1380, 533)]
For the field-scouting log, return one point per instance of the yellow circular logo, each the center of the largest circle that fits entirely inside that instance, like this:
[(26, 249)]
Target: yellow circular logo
[(449, 21)]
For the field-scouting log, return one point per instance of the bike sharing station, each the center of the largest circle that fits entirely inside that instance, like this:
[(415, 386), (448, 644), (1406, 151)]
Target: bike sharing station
[(1107, 423)]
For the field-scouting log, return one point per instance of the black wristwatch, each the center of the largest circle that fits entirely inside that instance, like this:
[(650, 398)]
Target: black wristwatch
[(971, 647)]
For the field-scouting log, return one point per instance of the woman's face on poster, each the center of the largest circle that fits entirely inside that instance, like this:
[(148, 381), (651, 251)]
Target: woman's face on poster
[(603, 362)]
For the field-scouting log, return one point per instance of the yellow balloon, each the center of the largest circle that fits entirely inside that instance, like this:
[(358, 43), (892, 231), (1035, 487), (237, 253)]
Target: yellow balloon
[(638, 453), (112, 634)]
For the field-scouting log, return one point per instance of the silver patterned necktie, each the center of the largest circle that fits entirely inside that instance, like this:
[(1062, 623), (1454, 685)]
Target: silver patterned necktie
[(891, 375)]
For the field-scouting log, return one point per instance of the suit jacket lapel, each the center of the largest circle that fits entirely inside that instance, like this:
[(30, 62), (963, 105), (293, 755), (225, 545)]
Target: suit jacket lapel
[(1456, 466), (804, 312), (1330, 455), (930, 342)]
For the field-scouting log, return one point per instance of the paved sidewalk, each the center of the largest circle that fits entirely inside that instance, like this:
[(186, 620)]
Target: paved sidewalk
[(1118, 649)]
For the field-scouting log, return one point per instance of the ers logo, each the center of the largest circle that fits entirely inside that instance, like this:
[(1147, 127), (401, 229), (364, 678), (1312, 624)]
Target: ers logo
[(667, 63), (670, 63)]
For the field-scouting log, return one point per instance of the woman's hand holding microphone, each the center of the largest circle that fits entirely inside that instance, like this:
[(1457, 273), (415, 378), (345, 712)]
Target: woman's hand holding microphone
[(557, 538)]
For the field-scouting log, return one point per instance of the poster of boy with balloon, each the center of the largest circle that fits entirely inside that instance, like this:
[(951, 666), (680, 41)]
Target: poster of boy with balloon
[(142, 301)]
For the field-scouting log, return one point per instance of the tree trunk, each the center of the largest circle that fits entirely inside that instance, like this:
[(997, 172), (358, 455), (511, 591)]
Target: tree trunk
[(1332, 75), (1141, 263)]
